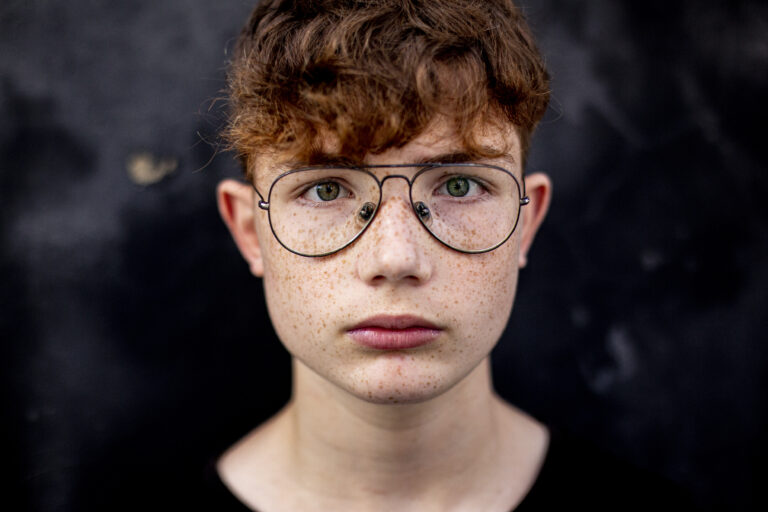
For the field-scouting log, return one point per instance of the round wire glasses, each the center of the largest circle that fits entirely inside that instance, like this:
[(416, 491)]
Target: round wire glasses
[(317, 211)]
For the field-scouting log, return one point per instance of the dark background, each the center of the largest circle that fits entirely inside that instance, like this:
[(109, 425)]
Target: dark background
[(135, 344)]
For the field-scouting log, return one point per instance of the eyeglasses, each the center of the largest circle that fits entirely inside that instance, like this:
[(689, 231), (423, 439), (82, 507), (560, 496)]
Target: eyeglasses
[(317, 211)]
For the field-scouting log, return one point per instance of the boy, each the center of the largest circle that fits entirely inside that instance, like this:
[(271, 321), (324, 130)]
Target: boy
[(386, 211)]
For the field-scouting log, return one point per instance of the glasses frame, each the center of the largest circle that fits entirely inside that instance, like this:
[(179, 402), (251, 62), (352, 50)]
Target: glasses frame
[(264, 205)]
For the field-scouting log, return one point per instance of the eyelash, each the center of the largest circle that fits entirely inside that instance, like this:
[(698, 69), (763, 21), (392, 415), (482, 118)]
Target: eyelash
[(346, 192), (313, 187), (477, 183)]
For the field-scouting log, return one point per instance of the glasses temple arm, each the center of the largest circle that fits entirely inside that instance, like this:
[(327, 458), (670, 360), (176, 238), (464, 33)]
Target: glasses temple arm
[(264, 205), (524, 199)]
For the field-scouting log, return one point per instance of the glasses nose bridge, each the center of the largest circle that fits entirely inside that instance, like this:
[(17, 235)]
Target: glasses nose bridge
[(391, 176), (408, 181), (394, 213)]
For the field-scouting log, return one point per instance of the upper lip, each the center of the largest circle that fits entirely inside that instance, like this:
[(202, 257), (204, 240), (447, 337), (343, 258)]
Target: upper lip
[(395, 322)]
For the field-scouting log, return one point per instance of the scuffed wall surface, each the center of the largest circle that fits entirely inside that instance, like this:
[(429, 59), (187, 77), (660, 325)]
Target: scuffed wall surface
[(135, 346)]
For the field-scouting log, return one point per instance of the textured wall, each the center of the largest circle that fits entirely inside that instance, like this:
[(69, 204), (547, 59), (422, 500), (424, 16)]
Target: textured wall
[(135, 345)]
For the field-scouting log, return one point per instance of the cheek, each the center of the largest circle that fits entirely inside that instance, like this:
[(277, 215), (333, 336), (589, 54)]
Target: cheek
[(302, 296), (308, 298), (283, 283), (290, 294), (480, 292)]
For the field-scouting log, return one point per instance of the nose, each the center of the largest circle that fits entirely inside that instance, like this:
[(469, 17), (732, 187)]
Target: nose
[(395, 242)]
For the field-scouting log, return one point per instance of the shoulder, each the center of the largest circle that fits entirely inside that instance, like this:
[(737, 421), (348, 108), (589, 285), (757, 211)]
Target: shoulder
[(214, 494), (255, 470), (230, 479), (577, 473)]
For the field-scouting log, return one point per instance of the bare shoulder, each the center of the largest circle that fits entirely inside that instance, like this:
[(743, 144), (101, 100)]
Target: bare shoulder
[(519, 425), (524, 442), (251, 468)]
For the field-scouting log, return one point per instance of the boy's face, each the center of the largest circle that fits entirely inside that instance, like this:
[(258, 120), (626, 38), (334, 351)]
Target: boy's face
[(395, 269)]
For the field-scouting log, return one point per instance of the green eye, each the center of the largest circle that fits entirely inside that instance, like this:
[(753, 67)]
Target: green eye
[(327, 191), (458, 186)]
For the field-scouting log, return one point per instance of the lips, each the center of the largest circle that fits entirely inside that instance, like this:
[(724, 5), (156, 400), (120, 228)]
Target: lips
[(394, 332)]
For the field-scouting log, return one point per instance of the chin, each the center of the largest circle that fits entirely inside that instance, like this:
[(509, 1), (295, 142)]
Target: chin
[(396, 396), (392, 383)]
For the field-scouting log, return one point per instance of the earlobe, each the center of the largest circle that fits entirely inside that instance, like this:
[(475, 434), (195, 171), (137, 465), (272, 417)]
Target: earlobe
[(237, 209), (538, 188)]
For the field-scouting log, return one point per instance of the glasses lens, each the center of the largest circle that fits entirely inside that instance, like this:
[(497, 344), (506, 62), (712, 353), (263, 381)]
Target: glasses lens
[(318, 211), (469, 208)]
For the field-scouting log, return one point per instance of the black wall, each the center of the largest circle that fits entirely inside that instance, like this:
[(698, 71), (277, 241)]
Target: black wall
[(135, 344)]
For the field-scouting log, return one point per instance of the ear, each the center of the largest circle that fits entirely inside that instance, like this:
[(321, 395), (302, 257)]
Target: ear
[(237, 208), (538, 188)]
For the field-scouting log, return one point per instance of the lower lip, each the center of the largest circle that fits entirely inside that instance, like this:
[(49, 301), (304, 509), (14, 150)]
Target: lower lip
[(380, 338)]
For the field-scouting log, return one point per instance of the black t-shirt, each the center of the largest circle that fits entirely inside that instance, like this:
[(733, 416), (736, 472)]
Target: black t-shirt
[(575, 476)]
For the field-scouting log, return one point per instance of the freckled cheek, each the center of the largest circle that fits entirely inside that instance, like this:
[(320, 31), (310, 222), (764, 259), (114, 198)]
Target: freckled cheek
[(302, 298), (483, 301)]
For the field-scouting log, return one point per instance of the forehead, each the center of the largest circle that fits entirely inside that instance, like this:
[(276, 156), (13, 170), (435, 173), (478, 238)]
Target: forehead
[(439, 142)]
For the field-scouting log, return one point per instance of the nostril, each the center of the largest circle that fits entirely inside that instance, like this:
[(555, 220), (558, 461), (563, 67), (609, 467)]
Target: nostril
[(394, 265), (382, 278)]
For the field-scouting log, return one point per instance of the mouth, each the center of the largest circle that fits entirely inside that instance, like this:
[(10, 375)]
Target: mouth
[(394, 332)]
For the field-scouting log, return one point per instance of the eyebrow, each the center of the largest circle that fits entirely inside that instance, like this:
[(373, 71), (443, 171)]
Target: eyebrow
[(461, 157), (330, 159), (458, 157), (453, 157)]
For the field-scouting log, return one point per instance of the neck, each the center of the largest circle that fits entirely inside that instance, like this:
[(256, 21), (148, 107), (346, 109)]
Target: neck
[(414, 448), (328, 450)]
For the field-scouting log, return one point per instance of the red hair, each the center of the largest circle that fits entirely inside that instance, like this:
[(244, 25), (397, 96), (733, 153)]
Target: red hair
[(375, 73)]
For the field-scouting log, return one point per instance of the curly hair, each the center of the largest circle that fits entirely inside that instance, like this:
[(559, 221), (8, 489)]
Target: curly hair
[(375, 73)]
